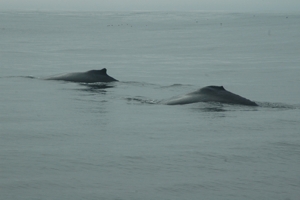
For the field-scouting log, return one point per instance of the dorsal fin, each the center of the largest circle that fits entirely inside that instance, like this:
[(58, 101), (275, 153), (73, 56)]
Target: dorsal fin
[(221, 87), (101, 71), (218, 87)]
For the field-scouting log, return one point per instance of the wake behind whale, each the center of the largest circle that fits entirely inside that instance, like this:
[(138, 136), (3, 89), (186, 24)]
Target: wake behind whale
[(210, 94)]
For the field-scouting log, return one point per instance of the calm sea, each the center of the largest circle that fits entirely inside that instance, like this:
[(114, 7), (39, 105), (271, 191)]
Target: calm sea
[(62, 140)]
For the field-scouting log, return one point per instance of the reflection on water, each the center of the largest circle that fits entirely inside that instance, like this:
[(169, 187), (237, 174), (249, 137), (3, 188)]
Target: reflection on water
[(212, 109), (96, 87), (221, 107)]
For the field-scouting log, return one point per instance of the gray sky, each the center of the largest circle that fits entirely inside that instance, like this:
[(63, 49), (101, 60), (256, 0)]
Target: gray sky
[(160, 5)]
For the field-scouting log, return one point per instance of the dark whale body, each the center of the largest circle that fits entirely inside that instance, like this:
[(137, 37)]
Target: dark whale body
[(211, 94), (91, 76)]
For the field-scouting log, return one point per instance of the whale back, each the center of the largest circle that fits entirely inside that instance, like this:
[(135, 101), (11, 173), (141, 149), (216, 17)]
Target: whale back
[(98, 72), (91, 76), (212, 89), (220, 94), (99, 75), (211, 94)]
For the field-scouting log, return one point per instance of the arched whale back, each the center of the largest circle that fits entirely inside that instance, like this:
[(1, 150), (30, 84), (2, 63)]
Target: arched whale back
[(211, 94), (91, 76), (212, 89)]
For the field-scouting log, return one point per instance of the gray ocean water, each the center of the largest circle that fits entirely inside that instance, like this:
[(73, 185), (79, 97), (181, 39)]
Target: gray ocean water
[(63, 140)]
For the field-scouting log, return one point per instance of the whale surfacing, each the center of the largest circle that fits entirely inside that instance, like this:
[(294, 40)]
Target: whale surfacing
[(211, 94), (91, 76)]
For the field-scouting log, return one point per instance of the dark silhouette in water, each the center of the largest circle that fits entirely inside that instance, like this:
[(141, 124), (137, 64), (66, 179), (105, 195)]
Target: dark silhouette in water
[(91, 76), (211, 94)]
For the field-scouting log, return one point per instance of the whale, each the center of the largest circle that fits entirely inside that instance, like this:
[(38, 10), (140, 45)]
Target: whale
[(210, 94), (91, 76)]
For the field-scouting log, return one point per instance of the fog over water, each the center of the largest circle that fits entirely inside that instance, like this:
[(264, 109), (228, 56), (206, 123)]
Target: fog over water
[(65, 140), (153, 5)]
